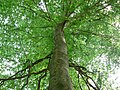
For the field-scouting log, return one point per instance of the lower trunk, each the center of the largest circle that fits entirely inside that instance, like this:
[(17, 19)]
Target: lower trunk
[(59, 76)]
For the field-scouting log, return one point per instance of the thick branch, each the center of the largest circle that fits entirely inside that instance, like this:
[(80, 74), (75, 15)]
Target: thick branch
[(34, 63), (20, 77), (28, 67)]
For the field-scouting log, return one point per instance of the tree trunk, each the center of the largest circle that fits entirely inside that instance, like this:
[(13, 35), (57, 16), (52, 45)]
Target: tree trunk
[(59, 76)]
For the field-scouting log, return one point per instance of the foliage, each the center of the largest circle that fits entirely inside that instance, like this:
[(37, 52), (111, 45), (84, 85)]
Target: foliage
[(26, 40)]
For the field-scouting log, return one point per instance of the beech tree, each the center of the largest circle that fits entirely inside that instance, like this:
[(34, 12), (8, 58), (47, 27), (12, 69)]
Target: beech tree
[(57, 44)]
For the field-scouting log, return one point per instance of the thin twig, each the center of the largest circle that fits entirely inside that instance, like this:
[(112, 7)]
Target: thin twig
[(79, 83)]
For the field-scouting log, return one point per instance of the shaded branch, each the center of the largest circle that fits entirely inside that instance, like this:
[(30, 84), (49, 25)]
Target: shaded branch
[(77, 67), (84, 74), (79, 83), (34, 63), (28, 67), (20, 77), (91, 85), (97, 88), (25, 83), (39, 81), (26, 79), (84, 80)]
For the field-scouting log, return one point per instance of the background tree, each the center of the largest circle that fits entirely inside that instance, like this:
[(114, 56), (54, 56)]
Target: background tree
[(34, 51)]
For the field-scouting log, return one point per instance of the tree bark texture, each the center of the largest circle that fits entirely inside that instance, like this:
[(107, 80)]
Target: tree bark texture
[(59, 76)]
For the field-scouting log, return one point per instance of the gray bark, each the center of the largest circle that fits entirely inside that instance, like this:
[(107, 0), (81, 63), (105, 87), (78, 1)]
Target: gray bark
[(59, 76)]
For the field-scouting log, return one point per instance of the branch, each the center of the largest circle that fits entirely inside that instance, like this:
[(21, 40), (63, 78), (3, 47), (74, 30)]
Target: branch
[(28, 67), (84, 74), (13, 26), (93, 33), (85, 81), (101, 19), (78, 16), (34, 63), (47, 13), (80, 5), (25, 83), (97, 88), (39, 81), (26, 79), (20, 77), (17, 29), (92, 8), (79, 82), (81, 68), (30, 9), (91, 85)]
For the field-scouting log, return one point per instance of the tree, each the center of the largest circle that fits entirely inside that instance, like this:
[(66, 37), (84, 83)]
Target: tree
[(41, 39)]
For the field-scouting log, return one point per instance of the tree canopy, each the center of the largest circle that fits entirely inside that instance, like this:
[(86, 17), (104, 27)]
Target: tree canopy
[(92, 33)]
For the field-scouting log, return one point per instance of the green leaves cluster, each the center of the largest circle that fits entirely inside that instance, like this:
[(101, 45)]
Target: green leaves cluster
[(27, 29)]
